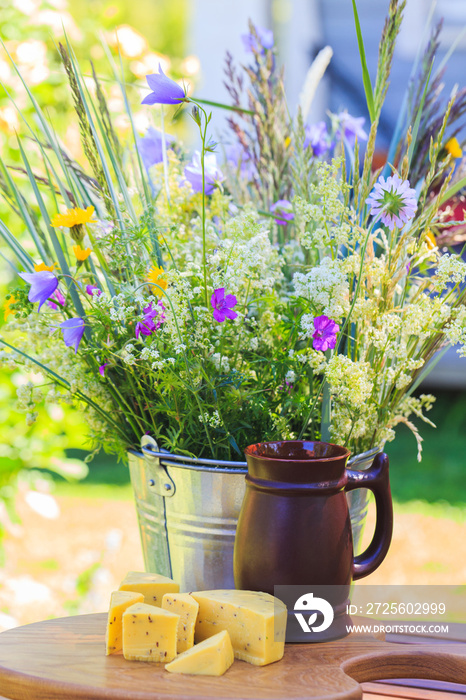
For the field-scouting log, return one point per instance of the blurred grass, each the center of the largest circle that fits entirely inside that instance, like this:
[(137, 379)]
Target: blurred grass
[(435, 486)]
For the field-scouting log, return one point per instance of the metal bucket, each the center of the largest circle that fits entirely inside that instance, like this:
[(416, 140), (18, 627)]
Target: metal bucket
[(188, 509)]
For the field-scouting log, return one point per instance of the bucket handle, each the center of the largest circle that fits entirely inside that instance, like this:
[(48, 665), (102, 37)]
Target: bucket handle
[(377, 480), (160, 481)]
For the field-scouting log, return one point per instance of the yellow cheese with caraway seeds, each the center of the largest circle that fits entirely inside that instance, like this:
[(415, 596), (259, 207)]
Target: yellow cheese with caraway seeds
[(119, 602), (212, 657), (256, 623), (149, 633), (152, 586), (187, 608)]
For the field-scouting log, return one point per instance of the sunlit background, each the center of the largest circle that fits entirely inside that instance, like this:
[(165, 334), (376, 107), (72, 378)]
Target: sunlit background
[(68, 532)]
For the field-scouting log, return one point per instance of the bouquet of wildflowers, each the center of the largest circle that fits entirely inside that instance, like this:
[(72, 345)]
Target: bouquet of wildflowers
[(291, 292)]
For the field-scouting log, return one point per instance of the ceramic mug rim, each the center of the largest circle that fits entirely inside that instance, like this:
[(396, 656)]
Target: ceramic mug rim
[(343, 452)]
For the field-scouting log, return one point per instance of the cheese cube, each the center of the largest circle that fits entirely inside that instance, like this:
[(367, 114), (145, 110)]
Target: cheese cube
[(149, 633), (119, 602), (212, 657), (256, 623), (186, 607), (153, 586)]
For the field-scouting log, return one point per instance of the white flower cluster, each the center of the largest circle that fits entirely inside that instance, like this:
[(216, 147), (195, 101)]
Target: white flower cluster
[(221, 362), (245, 258), (325, 287), (450, 270)]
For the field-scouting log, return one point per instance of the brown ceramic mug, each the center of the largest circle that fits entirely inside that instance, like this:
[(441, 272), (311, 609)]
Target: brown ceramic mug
[(294, 526)]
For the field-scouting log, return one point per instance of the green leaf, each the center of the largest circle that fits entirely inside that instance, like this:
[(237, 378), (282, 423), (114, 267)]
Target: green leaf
[(417, 121), (365, 72)]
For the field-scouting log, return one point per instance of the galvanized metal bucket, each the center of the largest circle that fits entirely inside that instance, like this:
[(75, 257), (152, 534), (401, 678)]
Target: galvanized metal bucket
[(188, 510)]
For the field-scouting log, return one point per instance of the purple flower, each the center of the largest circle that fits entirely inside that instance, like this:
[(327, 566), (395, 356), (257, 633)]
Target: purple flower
[(264, 40), (147, 326), (73, 329), (164, 90), (283, 211), (223, 305), (238, 157), (43, 285), (59, 298), (102, 369), (317, 138), (350, 128), (150, 146), (325, 333), (213, 175), (93, 290), (393, 201)]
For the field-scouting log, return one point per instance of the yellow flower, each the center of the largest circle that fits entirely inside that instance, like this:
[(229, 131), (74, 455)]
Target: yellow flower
[(39, 267), (430, 239), (453, 148), (74, 217), (7, 308), (80, 253), (287, 142), (156, 275)]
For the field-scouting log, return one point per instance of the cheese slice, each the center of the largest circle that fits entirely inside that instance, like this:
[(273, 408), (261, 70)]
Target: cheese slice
[(119, 602), (256, 623), (212, 657), (153, 586), (187, 608), (149, 633)]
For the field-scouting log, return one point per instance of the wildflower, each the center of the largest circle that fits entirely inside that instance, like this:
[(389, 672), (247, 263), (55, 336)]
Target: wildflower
[(393, 201), (73, 330), (283, 211), (7, 307), (213, 175), (325, 335), (80, 253), (43, 284), (150, 146), (317, 138), (238, 157), (430, 239), (349, 128), (101, 369), (164, 90), (147, 326), (40, 267), (60, 299), (453, 148), (156, 275), (74, 217), (264, 40), (223, 305), (93, 290)]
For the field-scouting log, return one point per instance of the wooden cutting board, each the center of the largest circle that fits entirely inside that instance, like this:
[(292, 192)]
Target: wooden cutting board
[(65, 658)]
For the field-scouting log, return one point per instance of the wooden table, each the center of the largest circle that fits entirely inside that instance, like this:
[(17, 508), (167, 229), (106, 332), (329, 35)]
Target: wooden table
[(65, 658)]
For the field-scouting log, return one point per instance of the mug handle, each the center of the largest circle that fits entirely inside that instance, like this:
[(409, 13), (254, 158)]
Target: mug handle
[(376, 479)]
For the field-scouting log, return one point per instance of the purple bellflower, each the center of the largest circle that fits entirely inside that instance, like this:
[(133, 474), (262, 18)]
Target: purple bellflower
[(350, 128), (164, 90), (223, 305), (43, 285), (264, 40), (150, 147), (317, 138), (212, 173), (393, 201), (325, 333), (101, 369), (73, 330), (283, 211)]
